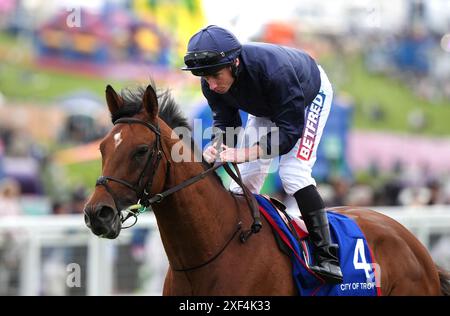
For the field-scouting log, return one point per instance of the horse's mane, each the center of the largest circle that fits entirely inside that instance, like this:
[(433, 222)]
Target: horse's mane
[(168, 111)]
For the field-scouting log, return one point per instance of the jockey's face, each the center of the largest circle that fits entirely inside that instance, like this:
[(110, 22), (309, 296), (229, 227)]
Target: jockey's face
[(221, 81)]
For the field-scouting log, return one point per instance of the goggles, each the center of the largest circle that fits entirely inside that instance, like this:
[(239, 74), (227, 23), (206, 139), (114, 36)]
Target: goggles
[(205, 58)]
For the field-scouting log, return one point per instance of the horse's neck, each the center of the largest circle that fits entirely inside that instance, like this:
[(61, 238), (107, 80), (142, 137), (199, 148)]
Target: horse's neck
[(196, 221)]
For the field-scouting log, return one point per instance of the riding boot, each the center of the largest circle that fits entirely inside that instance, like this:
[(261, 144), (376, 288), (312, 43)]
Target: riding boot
[(327, 262), (316, 221)]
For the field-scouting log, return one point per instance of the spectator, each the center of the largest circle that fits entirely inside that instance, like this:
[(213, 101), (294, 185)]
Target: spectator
[(414, 196), (436, 192), (340, 192), (10, 244), (78, 200), (10, 198), (2, 152), (59, 208)]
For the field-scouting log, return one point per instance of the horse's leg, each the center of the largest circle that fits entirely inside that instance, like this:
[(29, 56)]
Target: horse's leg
[(268, 271), (167, 282), (177, 284), (168, 289)]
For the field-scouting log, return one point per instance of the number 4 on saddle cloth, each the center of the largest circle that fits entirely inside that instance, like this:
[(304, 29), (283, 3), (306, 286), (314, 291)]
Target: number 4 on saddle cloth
[(361, 275)]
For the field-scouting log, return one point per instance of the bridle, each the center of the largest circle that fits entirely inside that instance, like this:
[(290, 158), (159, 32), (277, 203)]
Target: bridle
[(142, 189)]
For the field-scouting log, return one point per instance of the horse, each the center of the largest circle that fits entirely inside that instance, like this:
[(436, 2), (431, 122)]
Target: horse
[(198, 221)]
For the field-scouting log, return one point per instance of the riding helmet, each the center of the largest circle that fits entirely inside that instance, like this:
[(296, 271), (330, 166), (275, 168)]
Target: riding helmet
[(211, 49)]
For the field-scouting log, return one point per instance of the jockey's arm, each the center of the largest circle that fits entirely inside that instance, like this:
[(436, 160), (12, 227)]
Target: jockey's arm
[(239, 155)]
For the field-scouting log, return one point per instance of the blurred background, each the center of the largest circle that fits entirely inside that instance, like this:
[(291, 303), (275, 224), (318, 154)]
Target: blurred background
[(386, 144)]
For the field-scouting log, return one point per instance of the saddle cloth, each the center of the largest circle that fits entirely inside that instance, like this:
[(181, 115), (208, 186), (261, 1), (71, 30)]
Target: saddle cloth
[(356, 260)]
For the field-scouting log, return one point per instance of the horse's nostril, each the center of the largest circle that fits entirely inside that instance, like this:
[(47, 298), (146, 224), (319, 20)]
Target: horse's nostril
[(105, 213), (87, 220)]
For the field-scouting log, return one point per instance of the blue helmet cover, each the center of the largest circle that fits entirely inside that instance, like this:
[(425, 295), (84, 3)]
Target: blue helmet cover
[(215, 39)]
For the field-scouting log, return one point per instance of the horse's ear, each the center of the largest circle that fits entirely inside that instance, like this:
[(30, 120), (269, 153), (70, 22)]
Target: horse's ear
[(113, 100), (150, 101)]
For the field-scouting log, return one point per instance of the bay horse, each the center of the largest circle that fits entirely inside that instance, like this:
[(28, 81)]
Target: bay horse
[(198, 223)]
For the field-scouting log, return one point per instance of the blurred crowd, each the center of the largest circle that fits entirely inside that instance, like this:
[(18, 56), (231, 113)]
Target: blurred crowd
[(400, 187), (418, 57), (37, 174), (31, 183)]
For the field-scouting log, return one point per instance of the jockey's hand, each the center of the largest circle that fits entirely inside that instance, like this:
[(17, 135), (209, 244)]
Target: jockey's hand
[(239, 155), (210, 154)]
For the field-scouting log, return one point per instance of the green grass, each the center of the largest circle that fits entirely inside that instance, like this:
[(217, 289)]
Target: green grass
[(393, 97), (24, 83), (6, 39), (85, 173), (21, 80)]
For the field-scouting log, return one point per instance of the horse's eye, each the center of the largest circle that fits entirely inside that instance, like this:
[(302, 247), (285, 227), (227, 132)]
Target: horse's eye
[(141, 151)]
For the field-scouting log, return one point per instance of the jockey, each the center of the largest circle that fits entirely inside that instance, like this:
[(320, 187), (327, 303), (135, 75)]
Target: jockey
[(284, 91)]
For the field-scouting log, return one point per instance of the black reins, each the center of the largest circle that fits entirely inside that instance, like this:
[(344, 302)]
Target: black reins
[(142, 190)]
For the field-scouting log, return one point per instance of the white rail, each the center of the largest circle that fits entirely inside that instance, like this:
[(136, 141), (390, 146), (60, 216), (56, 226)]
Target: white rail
[(52, 231), (37, 232)]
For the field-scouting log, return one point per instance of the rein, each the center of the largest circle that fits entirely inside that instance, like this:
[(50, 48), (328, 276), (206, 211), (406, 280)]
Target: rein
[(145, 201)]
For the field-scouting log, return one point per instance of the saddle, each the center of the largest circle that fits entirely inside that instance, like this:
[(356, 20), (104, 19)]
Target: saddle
[(291, 235), (295, 224)]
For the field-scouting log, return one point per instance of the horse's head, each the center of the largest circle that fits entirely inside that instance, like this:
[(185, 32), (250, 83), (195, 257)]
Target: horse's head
[(132, 161)]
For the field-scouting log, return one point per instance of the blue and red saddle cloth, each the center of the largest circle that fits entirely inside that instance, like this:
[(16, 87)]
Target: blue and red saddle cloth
[(356, 260)]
